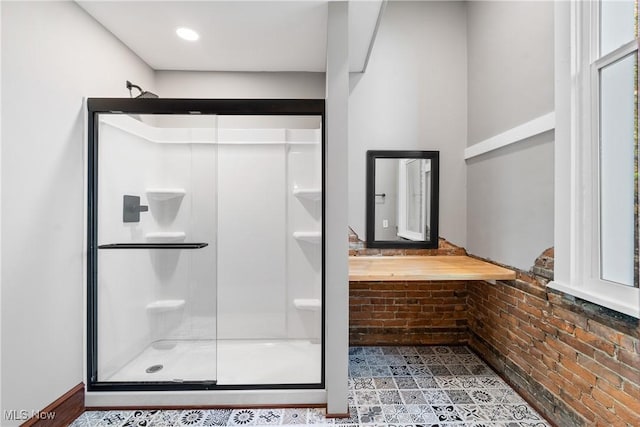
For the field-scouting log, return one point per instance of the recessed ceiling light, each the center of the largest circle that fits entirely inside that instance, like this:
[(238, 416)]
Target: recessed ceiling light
[(187, 34)]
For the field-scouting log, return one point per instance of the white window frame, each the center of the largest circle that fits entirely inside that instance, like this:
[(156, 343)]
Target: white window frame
[(577, 241), (404, 200)]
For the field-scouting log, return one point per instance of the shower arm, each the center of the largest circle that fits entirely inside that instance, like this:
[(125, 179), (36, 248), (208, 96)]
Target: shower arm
[(131, 86)]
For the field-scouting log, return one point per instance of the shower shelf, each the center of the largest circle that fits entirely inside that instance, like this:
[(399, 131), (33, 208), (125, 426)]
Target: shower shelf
[(162, 306), (153, 246), (165, 236), (314, 194), (163, 194), (309, 304), (308, 236)]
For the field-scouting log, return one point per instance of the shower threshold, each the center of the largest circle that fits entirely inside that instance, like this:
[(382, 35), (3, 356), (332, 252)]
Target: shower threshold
[(226, 362)]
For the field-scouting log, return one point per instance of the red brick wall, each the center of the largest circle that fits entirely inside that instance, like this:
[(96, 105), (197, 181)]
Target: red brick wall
[(577, 362), (407, 313), (358, 248)]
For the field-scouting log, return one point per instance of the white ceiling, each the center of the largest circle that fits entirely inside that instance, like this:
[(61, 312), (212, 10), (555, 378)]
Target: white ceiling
[(234, 35)]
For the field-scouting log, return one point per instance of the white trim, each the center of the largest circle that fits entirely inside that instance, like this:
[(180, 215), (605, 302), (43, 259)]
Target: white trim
[(1, 215), (204, 398), (576, 152), (630, 309), (519, 133), (563, 199), (616, 54), (336, 152)]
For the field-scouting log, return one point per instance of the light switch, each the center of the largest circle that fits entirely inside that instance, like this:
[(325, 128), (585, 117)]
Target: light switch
[(385, 223)]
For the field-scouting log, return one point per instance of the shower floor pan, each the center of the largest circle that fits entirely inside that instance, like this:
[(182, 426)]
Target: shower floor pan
[(229, 362)]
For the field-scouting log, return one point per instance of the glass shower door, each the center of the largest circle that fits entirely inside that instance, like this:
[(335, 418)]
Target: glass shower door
[(205, 246), (269, 251), (156, 257)]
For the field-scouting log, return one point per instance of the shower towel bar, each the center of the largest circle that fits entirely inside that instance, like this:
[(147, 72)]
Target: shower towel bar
[(153, 246)]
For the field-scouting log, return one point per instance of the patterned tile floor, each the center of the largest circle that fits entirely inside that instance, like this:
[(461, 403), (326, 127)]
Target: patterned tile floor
[(388, 386)]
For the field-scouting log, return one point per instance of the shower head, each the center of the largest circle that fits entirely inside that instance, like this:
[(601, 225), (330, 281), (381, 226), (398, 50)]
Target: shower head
[(146, 94), (143, 93)]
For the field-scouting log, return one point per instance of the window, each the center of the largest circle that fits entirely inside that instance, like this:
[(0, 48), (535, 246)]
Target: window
[(599, 255), (616, 78)]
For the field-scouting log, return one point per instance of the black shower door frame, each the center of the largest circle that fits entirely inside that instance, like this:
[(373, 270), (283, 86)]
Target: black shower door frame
[(183, 106)]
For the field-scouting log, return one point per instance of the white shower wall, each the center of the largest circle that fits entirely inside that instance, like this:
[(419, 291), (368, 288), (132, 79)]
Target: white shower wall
[(127, 164), (239, 198), (262, 268), (304, 257), (252, 232)]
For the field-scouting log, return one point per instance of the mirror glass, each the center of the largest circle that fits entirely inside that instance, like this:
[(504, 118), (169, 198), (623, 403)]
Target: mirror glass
[(402, 199)]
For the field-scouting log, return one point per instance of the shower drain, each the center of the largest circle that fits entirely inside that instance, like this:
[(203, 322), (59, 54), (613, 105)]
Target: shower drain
[(153, 369)]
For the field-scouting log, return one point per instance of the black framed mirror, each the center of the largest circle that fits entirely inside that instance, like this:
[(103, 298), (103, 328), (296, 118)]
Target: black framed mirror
[(402, 199)]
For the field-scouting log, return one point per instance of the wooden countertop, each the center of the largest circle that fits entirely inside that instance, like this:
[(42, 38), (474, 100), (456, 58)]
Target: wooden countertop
[(414, 268)]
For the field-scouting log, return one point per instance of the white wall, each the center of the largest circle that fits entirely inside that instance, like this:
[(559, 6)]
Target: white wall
[(53, 55), (414, 97), (195, 84), (510, 201), (510, 64), (510, 191)]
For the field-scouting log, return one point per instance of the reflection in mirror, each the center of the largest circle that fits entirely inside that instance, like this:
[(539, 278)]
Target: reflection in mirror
[(402, 192), (402, 199), (413, 189)]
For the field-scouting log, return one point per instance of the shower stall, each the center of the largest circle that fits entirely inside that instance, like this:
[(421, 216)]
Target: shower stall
[(205, 245)]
